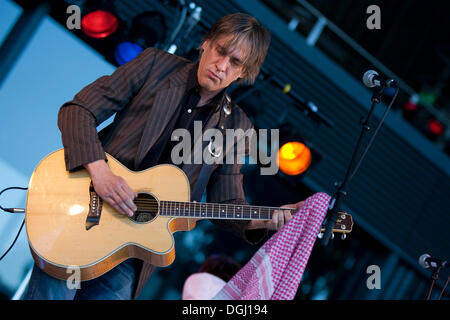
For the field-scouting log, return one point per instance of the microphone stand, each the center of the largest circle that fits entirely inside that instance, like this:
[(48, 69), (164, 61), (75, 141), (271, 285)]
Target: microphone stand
[(434, 277), (341, 192)]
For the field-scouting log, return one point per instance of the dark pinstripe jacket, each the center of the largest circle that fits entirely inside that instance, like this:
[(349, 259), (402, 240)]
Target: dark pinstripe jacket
[(143, 94)]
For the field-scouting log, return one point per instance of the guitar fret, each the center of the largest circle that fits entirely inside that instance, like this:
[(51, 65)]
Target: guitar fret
[(225, 211), (215, 210), (248, 213)]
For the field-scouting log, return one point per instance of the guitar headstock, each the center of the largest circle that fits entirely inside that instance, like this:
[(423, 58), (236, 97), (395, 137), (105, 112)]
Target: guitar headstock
[(343, 225)]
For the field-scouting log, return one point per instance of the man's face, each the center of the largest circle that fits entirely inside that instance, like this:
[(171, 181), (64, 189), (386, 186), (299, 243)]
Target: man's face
[(218, 68)]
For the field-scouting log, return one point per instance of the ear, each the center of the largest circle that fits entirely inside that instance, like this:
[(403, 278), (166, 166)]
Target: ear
[(205, 45), (242, 75)]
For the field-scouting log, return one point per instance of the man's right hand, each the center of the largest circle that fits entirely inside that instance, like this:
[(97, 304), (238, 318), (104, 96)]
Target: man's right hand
[(111, 188)]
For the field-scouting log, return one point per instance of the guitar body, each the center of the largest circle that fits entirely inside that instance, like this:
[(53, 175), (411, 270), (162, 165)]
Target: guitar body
[(58, 204)]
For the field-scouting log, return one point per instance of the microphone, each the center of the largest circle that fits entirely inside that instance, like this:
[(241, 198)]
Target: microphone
[(427, 261), (372, 79)]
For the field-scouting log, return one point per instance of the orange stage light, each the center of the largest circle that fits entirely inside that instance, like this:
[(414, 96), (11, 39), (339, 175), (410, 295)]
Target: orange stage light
[(294, 158)]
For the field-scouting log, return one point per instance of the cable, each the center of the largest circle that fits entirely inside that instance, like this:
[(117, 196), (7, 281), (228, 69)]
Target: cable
[(17, 236), (177, 29), (434, 277), (431, 289), (12, 210), (374, 134)]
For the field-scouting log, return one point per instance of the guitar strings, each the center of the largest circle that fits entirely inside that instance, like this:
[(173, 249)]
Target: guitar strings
[(183, 209), (206, 205), (166, 205), (152, 205)]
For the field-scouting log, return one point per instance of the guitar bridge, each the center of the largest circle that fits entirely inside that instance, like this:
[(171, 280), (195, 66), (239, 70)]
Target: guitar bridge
[(95, 208)]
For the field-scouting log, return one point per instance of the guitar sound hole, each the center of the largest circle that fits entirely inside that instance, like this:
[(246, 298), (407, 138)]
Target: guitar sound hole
[(147, 208)]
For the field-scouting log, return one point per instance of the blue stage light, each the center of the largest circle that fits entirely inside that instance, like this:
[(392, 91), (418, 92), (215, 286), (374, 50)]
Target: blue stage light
[(126, 51)]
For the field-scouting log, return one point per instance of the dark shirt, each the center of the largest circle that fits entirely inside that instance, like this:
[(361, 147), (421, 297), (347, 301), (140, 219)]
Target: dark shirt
[(187, 112)]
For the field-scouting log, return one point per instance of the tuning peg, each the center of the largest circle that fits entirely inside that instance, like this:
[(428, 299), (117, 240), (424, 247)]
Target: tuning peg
[(332, 236), (343, 236), (320, 235)]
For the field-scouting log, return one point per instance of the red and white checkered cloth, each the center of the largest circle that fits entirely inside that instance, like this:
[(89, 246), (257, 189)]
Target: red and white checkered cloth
[(275, 271)]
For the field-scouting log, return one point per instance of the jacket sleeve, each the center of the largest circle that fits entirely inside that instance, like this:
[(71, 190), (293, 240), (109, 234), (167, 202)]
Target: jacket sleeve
[(226, 186), (78, 118)]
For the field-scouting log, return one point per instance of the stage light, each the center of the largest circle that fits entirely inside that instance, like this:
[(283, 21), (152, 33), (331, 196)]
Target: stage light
[(294, 158), (411, 107), (428, 97), (296, 155), (388, 94), (126, 51), (99, 24), (435, 129), (147, 30)]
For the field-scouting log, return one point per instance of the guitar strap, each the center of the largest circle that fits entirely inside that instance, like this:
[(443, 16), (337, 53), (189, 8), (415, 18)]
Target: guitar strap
[(207, 169)]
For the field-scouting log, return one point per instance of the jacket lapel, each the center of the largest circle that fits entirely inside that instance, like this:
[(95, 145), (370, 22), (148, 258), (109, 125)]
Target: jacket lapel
[(164, 106)]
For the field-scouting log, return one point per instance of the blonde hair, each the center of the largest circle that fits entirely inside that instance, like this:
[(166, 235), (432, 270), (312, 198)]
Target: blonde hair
[(247, 29)]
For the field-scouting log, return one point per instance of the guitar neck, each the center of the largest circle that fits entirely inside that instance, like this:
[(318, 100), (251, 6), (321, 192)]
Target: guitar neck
[(201, 210), (216, 210)]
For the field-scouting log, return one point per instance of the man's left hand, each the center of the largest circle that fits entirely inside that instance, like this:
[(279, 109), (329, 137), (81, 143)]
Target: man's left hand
[(279, 218)]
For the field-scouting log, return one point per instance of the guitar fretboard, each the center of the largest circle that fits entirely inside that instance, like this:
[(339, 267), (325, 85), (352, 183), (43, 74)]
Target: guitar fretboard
[(216, 210)]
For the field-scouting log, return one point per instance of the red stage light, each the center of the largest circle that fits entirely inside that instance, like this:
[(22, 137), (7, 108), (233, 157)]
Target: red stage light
[(410, 106), (99, 24), (435, 127)]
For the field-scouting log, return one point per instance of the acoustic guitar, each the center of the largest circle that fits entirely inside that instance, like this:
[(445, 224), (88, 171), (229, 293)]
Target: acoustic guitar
[(68, 224)]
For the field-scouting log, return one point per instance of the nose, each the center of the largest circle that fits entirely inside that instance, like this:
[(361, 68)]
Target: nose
[(222, 64)]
